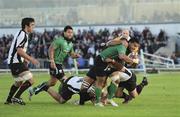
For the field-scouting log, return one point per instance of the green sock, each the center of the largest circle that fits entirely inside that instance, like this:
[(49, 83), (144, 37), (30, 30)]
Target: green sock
[(111, 90), (98, 92)]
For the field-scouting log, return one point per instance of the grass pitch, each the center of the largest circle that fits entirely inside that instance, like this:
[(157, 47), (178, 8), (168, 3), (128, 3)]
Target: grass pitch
[(161, 98)]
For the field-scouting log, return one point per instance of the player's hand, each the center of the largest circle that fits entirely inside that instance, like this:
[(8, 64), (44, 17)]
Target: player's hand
[(75, 55), (78, 55), (35, 62), (53, 65)]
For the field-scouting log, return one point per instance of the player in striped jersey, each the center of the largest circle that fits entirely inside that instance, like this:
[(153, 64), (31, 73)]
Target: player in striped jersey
[(69, 87), (16, 61)]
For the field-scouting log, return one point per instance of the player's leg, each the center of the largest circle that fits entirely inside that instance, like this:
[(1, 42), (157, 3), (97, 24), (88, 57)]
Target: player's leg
[(87, 82), (121, 94), (28, 81), (55, 74), (28, 77), (113, 87), (12, 91), (138, 89), (116, 76), (20, 73), (98, 89), (56, 95), (87, 97), (140, 86)]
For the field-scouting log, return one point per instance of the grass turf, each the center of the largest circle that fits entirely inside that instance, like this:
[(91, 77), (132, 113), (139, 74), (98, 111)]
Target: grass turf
[(160, 99)]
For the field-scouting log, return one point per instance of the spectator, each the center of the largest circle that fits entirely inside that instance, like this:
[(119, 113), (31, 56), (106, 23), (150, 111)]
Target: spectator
[(86, 43)]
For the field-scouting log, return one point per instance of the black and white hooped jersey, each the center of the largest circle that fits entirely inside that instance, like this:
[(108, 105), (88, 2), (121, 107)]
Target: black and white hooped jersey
[(20, 41), (74, 84)]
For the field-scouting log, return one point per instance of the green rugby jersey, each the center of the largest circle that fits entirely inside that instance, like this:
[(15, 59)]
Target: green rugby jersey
[(113, 52), (62, 49)]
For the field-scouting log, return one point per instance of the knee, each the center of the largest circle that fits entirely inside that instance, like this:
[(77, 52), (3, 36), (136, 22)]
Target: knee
[(100, 83), (119, 94), (104, 84), (31, 81), (133, 95), (61, 100), (52, 83)]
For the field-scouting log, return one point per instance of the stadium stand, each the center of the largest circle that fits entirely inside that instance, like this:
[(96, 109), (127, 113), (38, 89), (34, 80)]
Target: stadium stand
[(87, 43)]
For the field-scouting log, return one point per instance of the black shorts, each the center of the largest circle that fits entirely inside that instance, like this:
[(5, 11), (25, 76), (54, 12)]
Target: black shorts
[(100, 68), (18, 68), (57, 73), (65, 92), (130, 84)]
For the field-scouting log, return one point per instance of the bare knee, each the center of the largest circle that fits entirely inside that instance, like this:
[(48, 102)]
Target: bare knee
[(31, 81), (51, 83), (100, 82), (61, 100)]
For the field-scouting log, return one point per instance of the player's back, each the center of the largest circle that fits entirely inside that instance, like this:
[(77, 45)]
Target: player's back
[(113, 51), (74, 83)]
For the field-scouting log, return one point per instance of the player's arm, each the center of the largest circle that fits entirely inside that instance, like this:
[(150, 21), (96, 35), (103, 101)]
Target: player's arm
[(51, 52), (20, 44), (55, 44), (126, 59), (114, 64), (73, 54), (122, 56), (115, 41), (118, 40), (23, 54)]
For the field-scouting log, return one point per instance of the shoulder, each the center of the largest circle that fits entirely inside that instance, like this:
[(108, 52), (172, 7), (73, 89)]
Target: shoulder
[(121, 47), (59, 39), (20, 33)]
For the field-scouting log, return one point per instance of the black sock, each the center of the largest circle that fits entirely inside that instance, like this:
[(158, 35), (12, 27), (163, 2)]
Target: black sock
[(23, 87), (45, 87), (82, 97), (86, 97), (12, 91), (81, 101), (139, 88)]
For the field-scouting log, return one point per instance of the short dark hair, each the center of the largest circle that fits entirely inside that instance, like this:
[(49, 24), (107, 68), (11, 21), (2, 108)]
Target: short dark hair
[(133, 39), (26, 21), (67, 28)]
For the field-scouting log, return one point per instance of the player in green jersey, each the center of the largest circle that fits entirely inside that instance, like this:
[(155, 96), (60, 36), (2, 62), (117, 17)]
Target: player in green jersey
[(59, 49), (125, 78), (101, 70)]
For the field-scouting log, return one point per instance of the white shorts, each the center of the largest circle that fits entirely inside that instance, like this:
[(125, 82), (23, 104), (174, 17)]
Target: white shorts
[(26, 75)]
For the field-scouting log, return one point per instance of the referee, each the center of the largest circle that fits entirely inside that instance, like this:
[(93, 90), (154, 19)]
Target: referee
[(16, 61)]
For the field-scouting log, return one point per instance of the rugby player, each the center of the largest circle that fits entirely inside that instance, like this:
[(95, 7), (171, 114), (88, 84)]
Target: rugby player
[(16, 61), (59, 49)]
